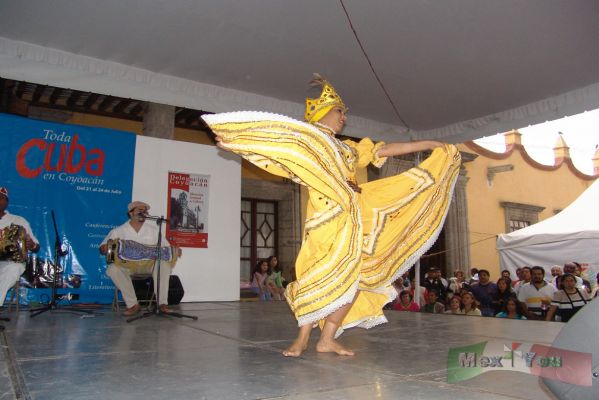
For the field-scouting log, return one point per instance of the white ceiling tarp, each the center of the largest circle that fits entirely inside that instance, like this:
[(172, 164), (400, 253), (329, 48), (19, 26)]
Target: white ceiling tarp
[(571, 235), (457, 69)]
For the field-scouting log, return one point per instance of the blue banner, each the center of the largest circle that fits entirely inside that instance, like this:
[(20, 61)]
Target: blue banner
[(82, 174)]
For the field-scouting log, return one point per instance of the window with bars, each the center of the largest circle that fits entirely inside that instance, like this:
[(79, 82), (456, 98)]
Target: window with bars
[(258, 234), (515, 224), (518, 215)]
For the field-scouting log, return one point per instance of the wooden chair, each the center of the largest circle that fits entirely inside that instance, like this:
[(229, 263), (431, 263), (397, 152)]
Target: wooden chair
[(147, 302)]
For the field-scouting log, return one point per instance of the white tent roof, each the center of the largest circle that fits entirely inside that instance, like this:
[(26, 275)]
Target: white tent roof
[(455, 69), (571, 235)]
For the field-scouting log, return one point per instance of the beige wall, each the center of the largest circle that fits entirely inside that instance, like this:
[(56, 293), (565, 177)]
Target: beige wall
[(529, 183)]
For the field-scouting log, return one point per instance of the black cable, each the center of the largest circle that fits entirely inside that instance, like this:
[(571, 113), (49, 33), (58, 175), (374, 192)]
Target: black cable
[(351, 25)]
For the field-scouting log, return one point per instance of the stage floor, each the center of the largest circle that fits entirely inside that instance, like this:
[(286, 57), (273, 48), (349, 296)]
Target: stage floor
[(233, 352)]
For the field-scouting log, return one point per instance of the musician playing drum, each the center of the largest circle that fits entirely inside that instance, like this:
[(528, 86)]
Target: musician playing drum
[(144, 232), (13, 255)]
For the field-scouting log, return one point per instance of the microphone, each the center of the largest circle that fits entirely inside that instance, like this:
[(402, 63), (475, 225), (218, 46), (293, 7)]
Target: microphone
[(159, 220)]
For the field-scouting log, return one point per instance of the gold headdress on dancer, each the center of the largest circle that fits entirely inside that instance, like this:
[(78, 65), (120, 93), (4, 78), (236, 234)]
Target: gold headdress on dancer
[(317, 108)]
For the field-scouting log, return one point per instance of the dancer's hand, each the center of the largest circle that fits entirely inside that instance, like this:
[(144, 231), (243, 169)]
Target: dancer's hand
[(219, 143)]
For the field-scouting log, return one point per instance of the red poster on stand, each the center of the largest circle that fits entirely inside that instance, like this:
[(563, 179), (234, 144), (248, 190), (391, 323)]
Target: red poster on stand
[(187, 209)]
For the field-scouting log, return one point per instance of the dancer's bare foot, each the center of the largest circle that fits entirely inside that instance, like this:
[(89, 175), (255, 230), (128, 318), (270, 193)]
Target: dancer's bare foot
[(332, 346), (300, 343), (296, 349)]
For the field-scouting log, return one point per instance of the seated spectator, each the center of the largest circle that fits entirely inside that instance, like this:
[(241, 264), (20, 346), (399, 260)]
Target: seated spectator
[(433, 306), (567, 301), (275, 280), (456, 283), (504, 292), (484, 291), (398, 286), (469, 305), (512, 309), (536, 295), (455, 305), (434, 281), (259, 285), (406, 302)]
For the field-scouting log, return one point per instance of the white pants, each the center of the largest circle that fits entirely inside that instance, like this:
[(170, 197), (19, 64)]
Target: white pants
[(121, 277), (9, 275)]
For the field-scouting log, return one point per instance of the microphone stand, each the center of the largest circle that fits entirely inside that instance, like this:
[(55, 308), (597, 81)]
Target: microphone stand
[(52, 305), (156, 311)]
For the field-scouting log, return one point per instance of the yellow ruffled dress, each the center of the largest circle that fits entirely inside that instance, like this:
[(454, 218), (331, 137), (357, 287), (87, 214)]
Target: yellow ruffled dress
[(355, 244)]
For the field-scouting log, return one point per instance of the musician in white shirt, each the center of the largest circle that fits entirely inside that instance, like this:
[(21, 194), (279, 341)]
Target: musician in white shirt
[(10, 270), (145, 232)]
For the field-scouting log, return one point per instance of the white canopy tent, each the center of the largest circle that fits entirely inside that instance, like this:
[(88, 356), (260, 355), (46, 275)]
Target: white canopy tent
[(571, 235), (455, 70)]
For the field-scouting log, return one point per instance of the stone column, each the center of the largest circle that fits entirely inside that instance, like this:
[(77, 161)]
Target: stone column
[(457, 234), (159, 121)]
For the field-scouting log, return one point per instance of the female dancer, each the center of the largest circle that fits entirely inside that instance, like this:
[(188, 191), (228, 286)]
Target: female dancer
[(358, 237)]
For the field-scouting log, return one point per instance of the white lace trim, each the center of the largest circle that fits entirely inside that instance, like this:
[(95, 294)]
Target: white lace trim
[(365, 323), (318, 315)]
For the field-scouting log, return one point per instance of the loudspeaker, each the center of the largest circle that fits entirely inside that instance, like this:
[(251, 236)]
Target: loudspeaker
[(579, 335), (144, 287)]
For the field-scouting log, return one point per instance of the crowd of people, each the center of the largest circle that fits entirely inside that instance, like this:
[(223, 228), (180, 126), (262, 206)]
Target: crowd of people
[(531, 295)]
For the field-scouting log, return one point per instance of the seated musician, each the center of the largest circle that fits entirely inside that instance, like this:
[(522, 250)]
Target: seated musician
[(12, 265), (144, 232)]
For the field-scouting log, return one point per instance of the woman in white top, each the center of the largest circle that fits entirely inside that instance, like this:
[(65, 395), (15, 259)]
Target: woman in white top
[(568, 301)]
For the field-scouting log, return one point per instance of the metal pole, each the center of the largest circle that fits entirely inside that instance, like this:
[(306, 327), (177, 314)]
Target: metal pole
[(417, 282)]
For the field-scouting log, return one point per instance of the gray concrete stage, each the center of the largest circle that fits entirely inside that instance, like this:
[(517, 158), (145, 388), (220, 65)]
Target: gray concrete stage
[(233, 352)]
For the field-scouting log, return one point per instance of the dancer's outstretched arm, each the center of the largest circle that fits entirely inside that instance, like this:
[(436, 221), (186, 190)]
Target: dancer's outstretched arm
[(400, 148)]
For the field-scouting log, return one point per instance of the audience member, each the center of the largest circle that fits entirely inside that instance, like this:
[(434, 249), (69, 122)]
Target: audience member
[(556, 270), (504, 292), (433, 305), (473, 276), (484, 292), (469, 305), (259, 285), (406, 302), (536, 295), (518, 277), (506, 274), (398, 286), (406, 280), (275, 279), (456, 283), (512, 309), (569, 268), (567, 301), (434, 282), (525, 276), (455, 305), (586, 284)]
